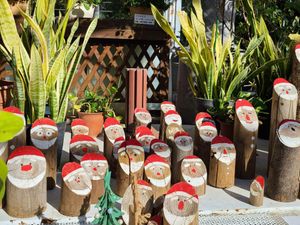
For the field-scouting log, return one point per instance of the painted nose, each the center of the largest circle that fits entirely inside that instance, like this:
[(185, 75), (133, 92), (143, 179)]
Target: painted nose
[(95, 169), (26, 168), (84, 149), (287, 92), (158, 173), (180, 205), (44, 137), (193, 170), (130, 158), (225, 151), (247, 117)]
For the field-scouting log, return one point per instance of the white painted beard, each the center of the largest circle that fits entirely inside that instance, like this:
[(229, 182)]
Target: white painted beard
[(83, 192), (26, 183), (133, 166), (142, 120), (195, 181), (160, 182), (225, 158), (43, 145), (96, 177), (291, 142), (207, 138), (177, 220), (250, 126), (163, 154)]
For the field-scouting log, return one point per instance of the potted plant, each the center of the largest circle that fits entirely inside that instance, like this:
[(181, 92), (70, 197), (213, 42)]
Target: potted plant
[(86, 8), (144, 6)]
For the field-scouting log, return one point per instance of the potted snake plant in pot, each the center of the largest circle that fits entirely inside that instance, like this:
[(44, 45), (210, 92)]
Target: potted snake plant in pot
[(144, 6), (86, 9)]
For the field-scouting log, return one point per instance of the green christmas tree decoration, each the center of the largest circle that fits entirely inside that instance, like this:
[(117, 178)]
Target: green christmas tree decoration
[(107, 214)]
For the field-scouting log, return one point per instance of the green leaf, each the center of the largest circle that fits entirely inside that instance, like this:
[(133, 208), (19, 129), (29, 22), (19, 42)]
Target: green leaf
[(10, 125), (3, 174)]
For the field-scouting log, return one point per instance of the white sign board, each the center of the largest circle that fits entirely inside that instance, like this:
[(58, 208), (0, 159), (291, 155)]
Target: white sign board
[(143, 19)]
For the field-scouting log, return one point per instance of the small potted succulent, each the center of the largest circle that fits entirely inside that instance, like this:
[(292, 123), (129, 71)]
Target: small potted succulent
[(86, 8)]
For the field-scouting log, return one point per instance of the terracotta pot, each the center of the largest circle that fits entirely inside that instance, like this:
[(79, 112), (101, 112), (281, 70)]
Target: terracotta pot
[(5, 93), (16, 8), (94, 121), (226, 128)]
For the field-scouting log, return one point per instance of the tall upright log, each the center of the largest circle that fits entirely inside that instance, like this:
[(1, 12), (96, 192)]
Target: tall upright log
[(171, 117), (283, 180), (171, 130), (79, 126), (295, 76), (26, 191), (44, 135), (200, 118), (257, 188), (3, 151), (161, 149), (245, 138), (144, 135), (142, 117), (284, 106), (164, 108)]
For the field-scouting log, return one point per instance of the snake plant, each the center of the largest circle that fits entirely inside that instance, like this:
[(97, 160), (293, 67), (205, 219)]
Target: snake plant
[(43, 60)]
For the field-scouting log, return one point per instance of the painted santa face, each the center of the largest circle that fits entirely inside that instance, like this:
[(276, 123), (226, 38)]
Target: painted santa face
[(184, 143), (173, 119), (224, 152), (145, 140), (133, 157), (144, 117), (207, 133), (158, 174), (248, 118), (44, 137), (78, 182), (289, 133), (114, 131), (161, 149), (167, 107), (286, 91), (26, 171), (194, 172), (78, 149), (80, 129), (95, 168)]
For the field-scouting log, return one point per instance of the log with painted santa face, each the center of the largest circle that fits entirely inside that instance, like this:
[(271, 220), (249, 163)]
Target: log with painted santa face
[(283, 180), (164, 108), (257, 191), (79, 126), (245, 138), (112, 130), (171, 130), (76, 188), (95, 164), (20, 138), (3, 151), (294, 78), (222, 163), (26, 191), (181, 205), (161, 149), (145, 200), (158, 172), (144, 135), (80, 145), (44, 135), (142, 117), (193, 171), (131, 160), (284, 106)]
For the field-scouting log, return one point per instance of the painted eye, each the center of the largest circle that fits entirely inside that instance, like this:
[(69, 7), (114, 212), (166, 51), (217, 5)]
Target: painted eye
[(48, 133), (40, 133), (282, 89)]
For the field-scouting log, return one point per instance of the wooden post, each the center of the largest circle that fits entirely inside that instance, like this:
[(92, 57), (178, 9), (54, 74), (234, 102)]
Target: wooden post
[(136, 94), (79, 126), (222, 163), (295, 76), (245, 138), (137, 203), (183, 210), (81, 144), (284, 106), (283, 180), (20, 138), (203, 137), (193, 171), (3, 151), (257, 191), (44, 135), (76, 188), (112, 130), (200, 117), (183, 146), (171, 117), (95, 165), (142, 117), (144, 135), (161, 149), (164, 108), (171, 130), (26, 191), (131, 160)]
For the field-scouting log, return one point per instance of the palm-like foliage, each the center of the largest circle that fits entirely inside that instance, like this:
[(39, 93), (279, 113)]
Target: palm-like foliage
[(43, 61)]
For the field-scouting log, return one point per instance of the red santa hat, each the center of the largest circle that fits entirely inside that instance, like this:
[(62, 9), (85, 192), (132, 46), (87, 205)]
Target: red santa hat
[(28, 151), (171, 113), (43, 123), (157, 220), (260, 180), (208, 125), (81, 139), (288, 121), (279, 81), (154, 141), (167, 103), (119, 139), (221, 140), (70, 169), (93, 156), (242, 103), (143, 131), (13, 109), (297, 52), (78, 122), (192, 159), (144, 185), (183, 189), (202, 115), (155, 159), (110, 121), (139, 110), (131, 143), (181, 134)]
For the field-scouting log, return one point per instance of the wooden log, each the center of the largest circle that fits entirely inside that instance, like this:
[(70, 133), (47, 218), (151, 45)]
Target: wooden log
[(171, 130), (142, 117), (283, 180), (20, 138), (295, 76), (164, 108), (144, 202), (81, 144), (131, 160), (171, 117), (144, 135), (193, 171), (181, 205), (245, 138), (26, 191), (161, 149), (183, 146), (44, 135), (3, 151), (79, 126), (284, 106), (200, 117), (95, 165), (112, 130), (117, 144), (257, 191), (222, 163), (75, 191)]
